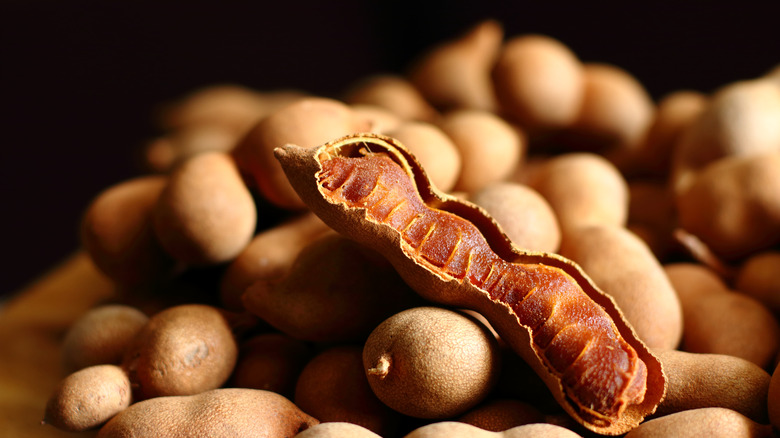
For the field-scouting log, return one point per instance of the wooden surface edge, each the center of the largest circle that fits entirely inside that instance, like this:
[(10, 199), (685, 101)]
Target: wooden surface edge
[(32, 325)]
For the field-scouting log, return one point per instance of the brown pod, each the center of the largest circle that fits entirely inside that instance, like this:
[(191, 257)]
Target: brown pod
[(268, 255), (456, 429), (674, 113), (539, 82), (740, 119), (696, 423), (456, 74), (625, 268), (720, 321), (88, 398), (337, 429), (394, 93), (583, 189), (502, 414), (228, 105), (164, 153), (379, 119), (373, 190), (539, 430), (708, 380), (651, 208), (210, 118), (524, 215), (219, 412), (205, 215), (307, 122), (773, 398), (435, 149), (336, 291), (615, 113), (757, 277), (734, 324), (270, 361), (117, 232), (430, 362), (101, 336), (333, 387), (692, 281), (490, 148), (733, 205), (183, 350), (773, 74)]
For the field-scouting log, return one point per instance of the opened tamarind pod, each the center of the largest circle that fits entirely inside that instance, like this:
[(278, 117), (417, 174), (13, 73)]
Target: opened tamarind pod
[(373, 190)]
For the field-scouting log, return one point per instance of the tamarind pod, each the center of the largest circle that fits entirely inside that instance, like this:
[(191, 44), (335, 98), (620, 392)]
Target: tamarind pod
[(371, 189)]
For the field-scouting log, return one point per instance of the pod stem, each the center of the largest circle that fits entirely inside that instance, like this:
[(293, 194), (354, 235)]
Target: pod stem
[(381, 369)]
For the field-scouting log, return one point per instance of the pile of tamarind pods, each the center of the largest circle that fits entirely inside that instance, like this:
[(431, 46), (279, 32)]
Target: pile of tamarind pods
[(260, 295)]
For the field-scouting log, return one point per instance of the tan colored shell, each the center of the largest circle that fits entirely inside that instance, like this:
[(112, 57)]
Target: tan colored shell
[(306, 122), (501, 414), (757, 277), (720, 321), (101, 336), (539, 82), (239, 412), (773, 402), (696, 423), (302, 166), (228, 105), (583, 189), (270, 361), (268, 255), (456, 74), (116, 230), (525, 216), (674, 113), (431, 362), (88, 398), (394, 93), (183, 350), (336, 290), (333, 387), (433, 147), (337, 429), (454, 429), (733, 205), (740, 119), (489, 147), (714, 380), (616, 111), (205, 214)]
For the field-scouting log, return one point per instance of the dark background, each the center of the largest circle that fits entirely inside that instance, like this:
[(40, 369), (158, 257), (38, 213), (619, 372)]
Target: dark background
[(81, 79)]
